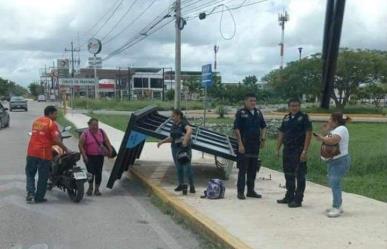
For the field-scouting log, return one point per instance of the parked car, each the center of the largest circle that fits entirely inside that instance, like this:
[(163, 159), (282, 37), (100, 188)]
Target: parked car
[(41, 98), (4, 116), (18, 102)]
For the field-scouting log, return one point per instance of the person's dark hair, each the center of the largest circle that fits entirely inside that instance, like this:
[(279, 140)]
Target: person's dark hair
[(250, 95), (178, 113), (340, 118), (49, 110), (92, 120), (294, 100)]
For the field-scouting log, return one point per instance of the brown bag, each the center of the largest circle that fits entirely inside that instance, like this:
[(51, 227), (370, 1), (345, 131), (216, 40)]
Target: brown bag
[(329, 151)]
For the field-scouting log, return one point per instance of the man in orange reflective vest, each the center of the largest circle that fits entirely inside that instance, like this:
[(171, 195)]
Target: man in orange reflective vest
[(45, 134)]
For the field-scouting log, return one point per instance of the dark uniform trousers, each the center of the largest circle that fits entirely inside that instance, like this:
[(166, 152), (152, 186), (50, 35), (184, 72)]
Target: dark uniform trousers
[(295, 172), (248, 165)]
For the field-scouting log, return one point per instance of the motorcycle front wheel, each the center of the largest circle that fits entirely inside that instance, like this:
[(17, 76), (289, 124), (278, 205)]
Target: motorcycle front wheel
[(77, 192)]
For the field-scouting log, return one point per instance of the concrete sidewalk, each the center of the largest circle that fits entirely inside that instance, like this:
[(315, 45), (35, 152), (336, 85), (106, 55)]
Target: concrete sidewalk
[(262, 223)]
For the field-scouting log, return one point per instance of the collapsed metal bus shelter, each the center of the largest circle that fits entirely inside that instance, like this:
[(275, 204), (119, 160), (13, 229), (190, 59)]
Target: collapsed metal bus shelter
[(148, 122)]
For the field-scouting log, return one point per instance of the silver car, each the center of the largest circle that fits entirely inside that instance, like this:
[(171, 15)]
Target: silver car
[(18, 102)]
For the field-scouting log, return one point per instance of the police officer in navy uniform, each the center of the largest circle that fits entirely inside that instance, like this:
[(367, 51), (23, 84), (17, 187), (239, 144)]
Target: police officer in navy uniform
[(250, 131), (295, 134)]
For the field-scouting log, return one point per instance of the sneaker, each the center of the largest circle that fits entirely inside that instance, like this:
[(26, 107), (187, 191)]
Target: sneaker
[(334, 212), (30, 197), (97, 193), (294, 204), (330, 209), (40, 200), (241, 196), (253, 194)]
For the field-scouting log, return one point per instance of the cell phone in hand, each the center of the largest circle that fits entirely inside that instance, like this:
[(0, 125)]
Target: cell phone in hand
[(315, 134)]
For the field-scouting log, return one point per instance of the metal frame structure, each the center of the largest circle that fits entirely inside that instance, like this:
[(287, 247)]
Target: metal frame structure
[(150, 123)]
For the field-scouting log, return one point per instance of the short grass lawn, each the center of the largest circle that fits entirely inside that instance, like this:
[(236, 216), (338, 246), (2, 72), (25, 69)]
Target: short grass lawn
[(368, 148), (133, 105)]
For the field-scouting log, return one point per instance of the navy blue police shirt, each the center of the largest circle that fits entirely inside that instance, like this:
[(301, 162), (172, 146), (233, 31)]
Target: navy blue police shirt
[(249, 123), (294, 128), (178, 131)]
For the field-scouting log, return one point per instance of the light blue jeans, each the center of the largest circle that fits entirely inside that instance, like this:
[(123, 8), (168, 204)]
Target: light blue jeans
[(183, 170), (337, 168)]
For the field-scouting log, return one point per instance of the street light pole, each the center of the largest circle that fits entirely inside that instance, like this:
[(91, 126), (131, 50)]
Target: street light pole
[(178, 54), (300, 52)]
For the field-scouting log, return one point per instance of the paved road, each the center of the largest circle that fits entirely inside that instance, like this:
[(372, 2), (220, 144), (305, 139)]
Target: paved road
[(121, 218)]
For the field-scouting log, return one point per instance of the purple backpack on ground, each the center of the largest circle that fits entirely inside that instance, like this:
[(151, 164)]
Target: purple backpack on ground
[(215, 189)]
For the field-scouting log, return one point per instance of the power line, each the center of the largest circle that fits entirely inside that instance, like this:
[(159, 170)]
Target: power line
[(100, 19), (120, 20), (143, 34), (107, 20), (230, 8), (113, 10), (151, 25), (130, 24), (202, 6)]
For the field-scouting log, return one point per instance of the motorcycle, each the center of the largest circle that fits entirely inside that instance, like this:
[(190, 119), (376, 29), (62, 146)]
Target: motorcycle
[(64, 172)]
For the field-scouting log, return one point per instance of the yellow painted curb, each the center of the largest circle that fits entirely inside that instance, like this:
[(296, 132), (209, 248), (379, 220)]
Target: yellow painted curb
[(200, 222)]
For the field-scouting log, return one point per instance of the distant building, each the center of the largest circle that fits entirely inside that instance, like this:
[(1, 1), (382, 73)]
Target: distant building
[(133, 83)]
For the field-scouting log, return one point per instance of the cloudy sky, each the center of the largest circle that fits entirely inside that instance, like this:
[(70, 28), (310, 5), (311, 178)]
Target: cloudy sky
[(35, 33)]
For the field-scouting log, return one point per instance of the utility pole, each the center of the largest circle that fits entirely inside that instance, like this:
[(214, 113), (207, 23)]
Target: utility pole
[(119, 83), (282, 19), (178, 27), (72, 50), (332, 33), (216, 49), (129, 79), (163, 85)]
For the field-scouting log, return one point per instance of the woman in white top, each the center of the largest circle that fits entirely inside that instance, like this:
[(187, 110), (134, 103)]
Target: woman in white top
[(338, 165)]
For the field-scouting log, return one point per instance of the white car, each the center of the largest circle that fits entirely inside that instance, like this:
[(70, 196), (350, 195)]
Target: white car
[(41, 98)]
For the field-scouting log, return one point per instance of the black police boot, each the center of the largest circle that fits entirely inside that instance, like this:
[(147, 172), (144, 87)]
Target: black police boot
[(241, 196), (179, 188), (294, 204), (253, 194), (285, 200), (185, 188), (192, 189)]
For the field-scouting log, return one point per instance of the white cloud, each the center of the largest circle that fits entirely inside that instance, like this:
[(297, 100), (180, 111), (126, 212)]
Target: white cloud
[(35, 33)]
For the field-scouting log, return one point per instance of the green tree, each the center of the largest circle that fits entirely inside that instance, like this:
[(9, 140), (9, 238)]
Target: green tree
[(373, 92), (353, 68), (3, 87), (192, 85), (8, 88), (297, 78), (250, 80), (170, 94), (35, 89)]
